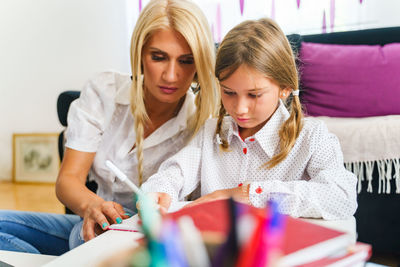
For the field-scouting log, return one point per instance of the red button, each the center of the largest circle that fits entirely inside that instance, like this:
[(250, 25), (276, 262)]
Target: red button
[(252, 139), (239, 185), (245, 150), (258, 190)]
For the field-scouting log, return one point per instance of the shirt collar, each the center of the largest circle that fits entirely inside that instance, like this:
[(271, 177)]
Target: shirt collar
[(268, 136)]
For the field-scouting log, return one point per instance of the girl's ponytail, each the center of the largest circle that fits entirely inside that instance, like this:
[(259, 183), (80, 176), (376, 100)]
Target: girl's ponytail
[(288, 132), (223, 143)]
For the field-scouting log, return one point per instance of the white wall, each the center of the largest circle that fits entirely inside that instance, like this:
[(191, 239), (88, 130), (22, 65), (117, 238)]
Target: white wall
[(307, 18), (46, 47)]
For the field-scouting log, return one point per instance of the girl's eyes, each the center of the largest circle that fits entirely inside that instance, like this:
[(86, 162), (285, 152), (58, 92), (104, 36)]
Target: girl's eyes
[(230, 93), (255, 96)]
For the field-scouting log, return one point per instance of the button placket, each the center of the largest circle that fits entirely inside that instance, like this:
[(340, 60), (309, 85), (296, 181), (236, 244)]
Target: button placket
[(245, 164)]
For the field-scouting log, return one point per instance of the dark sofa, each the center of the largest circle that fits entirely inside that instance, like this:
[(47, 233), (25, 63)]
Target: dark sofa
[(378, 215)]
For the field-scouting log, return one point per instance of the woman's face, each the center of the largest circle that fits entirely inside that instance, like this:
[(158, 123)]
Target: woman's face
[(250, 99), (168, 67)]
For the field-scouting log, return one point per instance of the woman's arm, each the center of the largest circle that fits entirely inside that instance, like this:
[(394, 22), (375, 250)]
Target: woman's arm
[(73, 193)]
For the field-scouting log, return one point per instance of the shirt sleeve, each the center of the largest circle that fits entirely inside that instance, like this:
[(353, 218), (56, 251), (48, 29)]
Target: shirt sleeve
[(87, 115), (179, 175), (328, 192)]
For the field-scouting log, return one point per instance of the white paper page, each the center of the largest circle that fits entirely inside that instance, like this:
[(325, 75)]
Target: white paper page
[(133, 224)]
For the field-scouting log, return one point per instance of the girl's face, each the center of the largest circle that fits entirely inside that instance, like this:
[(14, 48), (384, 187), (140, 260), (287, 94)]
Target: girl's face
[(250, 99), (168, 67)]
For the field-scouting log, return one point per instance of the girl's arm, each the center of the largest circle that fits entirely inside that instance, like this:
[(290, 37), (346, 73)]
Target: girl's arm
[(179, 175), (328, 190), (73, 193), (238, 193)]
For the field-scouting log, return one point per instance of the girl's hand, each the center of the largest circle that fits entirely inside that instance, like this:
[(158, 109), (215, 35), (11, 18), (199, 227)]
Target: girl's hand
[(163, 200), (219, 194), (99, 216)]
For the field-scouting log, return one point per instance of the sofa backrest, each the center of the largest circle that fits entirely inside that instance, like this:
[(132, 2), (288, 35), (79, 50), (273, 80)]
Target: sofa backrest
[(379, 36)]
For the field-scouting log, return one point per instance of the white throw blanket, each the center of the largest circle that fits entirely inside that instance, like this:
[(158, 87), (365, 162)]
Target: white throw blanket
[(365, 141)]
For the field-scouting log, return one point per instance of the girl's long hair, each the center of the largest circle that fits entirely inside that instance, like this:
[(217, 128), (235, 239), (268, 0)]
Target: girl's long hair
[(261, 45)]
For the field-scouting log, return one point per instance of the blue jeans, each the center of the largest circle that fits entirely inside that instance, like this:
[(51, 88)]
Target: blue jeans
[(36, 232)]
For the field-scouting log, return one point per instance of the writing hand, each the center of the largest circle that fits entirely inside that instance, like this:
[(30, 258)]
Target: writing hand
[(163, 200)]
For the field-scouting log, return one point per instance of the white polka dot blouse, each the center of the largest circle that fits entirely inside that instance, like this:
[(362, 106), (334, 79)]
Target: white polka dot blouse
[(310, 182)]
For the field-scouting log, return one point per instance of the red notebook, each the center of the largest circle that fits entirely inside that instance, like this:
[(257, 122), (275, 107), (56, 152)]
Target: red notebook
[(303, 241)]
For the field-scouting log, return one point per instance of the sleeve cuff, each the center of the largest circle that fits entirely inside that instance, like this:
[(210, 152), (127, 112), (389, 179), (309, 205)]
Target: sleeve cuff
[(258, 196), (82, 146)]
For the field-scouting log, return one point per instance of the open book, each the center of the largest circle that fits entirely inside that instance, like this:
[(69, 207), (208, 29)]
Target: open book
[(133, 224)]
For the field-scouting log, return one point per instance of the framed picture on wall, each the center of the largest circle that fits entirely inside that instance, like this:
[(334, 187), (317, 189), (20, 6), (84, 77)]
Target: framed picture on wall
[(35, 157)]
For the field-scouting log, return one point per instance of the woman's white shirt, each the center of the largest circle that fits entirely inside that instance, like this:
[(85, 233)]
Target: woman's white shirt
[(310, 182), (101, 121)]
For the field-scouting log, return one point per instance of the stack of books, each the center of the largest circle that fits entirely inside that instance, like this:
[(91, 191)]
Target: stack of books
[(235, 234)]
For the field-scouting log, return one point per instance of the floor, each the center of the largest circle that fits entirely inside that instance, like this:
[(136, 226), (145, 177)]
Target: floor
[(42, 198), (29, 197)]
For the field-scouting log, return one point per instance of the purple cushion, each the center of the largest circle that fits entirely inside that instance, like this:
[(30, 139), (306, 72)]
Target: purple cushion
[(350, 80)]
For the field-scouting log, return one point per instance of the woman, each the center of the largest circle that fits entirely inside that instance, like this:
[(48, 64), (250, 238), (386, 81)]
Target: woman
[(171, 50)]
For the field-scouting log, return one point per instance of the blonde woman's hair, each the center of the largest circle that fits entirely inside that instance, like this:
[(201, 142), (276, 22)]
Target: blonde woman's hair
[(261, 45), (186, 18)]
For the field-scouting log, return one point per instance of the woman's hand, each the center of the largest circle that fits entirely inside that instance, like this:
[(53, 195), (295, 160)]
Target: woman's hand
[(236, 193), (99, 215), (71, 190)]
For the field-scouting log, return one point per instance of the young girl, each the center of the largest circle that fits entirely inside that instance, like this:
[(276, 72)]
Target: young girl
[(260, 151)]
